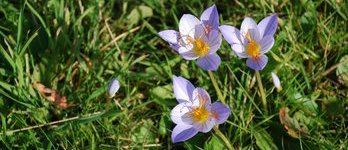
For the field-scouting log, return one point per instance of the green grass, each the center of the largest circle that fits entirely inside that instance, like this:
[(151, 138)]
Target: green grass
[(68, 46)]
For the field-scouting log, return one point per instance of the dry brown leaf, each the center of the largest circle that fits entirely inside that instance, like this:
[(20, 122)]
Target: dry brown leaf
[(52, 95)]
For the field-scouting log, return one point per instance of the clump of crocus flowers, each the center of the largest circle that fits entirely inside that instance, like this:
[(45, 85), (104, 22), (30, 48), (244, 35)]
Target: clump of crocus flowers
[(199, 39)]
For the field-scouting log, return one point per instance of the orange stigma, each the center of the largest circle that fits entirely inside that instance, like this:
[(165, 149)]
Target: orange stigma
[(253, 48)]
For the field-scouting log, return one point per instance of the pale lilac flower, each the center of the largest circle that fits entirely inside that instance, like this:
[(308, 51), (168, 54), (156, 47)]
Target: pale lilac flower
[(194, 113), (253, 40), (197, 39), (276, 81), (113, 87)]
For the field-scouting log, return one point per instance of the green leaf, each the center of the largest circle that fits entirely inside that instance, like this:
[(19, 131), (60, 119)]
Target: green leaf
[(138, 13), (214, 144), (342, 71), (263, 140), (163, 95)]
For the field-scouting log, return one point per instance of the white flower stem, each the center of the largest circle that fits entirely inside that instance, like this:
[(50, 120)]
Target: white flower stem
[(223, 138), (217, 89), (262, 91)]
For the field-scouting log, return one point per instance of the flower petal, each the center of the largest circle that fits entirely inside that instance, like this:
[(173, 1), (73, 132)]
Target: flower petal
[(183, 89), (210, 17), (254, 35), (201, 97), (206, 126), (187, 54), (113, 87), (231, 34), (239, 50), (187, 24), (178, 111), (257, 64), (171, 36), (276, 81), (220, 112), (247, 24), (209, 62), (266, 43), (214, 41), (183, 132), (268, 25)]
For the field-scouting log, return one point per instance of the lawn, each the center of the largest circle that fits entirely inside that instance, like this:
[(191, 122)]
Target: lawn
[(57, 58)]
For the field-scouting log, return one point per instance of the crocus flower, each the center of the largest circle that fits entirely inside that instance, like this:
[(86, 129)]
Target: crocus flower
[(197, 39), (253, 40), (194, 113), (113, 87), (276, 81)]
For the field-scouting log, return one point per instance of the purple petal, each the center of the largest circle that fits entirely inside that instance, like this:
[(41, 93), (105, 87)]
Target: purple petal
[(231, 34), (268, 25), (247, 24), (257, 64), (276, 81), (113, 87), (214, 41), (200, 32), (239, 50), (210, 17), (171, 36), (178, 111), (187, 24), (266, 43), (254, 35), (221, 112), (183, 132), (175, 46), (183, 89), (201, 97), (209, 62), (206, 126), (187, 54)]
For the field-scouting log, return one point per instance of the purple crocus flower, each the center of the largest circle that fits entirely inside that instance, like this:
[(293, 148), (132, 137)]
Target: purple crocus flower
[(194, 113), (253, 40), (197, 39)]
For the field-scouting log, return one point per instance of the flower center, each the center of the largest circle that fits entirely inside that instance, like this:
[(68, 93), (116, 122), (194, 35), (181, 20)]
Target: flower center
[(253, 48), (200, 114), (200, 48)]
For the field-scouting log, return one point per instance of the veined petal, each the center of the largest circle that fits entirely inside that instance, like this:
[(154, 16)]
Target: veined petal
[(231, 34), (205, 126), (183, 132), (266, 43), (187, 24), (175, 46), (187, 54), (276, 81), (239, 50), (254, 35), (247, 24), (214, 41), (257, 64), (183, 89), (209, 62), (201, 97), (171, 36), (268, 25), (200, 32), (210, 17), (220, 112), (178, 111)]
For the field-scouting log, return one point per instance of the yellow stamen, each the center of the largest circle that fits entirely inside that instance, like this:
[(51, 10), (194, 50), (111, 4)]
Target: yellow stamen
[(200, 48), (200, 114), (253, 48)]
